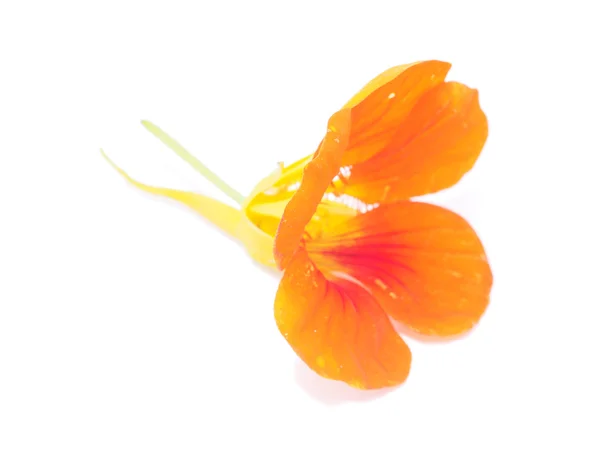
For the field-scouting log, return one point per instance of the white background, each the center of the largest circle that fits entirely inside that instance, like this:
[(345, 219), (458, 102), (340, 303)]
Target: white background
[(127, 322)]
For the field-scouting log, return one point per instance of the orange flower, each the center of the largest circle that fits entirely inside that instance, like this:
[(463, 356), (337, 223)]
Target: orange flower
[(357, 253), (407, 133)]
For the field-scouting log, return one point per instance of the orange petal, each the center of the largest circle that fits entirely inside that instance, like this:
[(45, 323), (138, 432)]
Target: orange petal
[(424, 264), (338, 330), (383, 104), (317, 176), (380, 80), (437, 143)]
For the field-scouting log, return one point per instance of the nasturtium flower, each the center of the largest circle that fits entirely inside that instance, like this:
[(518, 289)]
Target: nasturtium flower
[(357, 254)]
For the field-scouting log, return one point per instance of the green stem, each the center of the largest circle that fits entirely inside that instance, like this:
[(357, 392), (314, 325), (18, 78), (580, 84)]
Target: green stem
[(194, 162)]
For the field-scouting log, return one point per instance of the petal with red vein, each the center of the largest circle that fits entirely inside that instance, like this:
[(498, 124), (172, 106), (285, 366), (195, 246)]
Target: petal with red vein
[(424, 264), (338, 329)]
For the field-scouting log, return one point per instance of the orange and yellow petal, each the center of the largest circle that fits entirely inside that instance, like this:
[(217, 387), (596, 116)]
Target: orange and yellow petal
[(406, 133), (338, 329), (433, 147), (381, 107), (424, 264), (375, 112), (317, 176)]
